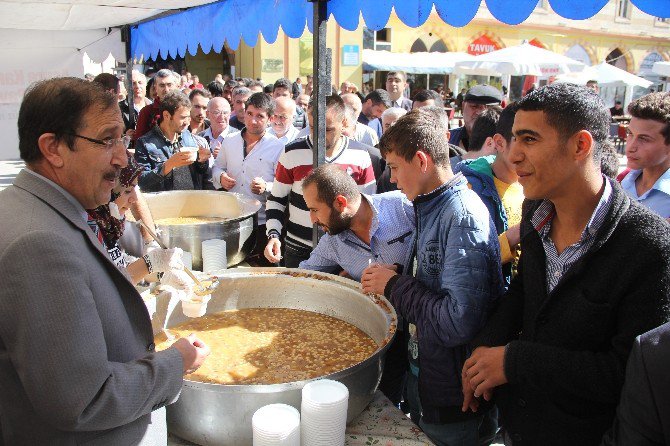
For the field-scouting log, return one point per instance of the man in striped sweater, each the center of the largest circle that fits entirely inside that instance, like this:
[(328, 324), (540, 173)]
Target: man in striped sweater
[(294, 165)]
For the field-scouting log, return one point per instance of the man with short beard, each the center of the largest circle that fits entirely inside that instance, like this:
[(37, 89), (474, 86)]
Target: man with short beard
[(164, 81), (166, 166), (361, 229), (247, 161), (281, 123), (199, 99)]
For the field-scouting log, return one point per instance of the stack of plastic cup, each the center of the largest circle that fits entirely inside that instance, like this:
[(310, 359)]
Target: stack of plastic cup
[(324, 413), (187, 259), (276, 425), (214, 255)]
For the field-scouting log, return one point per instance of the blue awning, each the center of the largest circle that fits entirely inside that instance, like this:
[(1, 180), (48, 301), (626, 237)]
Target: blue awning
[(211, 25)]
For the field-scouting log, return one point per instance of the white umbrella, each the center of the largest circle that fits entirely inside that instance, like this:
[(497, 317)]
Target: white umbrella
[(524, 59), (606, 75), (662, 68)]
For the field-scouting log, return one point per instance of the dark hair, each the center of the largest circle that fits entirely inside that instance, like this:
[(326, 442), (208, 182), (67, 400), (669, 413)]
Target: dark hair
[(172, 101), (335, 104), (58, 106), (199, 92), (424, 95), (484, 127), (108, 81), (241, 91), (419, 129), (399, 73), (231, 84), (215, 88), (609, 160), (268, 88), (506, 122), (570, 108), (330, 181), (378, 97), (261, 101), (283, 83), (654, 106), (256, 84)]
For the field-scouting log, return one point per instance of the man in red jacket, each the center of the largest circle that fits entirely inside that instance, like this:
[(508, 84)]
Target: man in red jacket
[(165, 81)]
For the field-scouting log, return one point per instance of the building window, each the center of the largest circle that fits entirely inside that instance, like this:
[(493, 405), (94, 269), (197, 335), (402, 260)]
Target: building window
[(661, 21), (377, 40), (623, 9)]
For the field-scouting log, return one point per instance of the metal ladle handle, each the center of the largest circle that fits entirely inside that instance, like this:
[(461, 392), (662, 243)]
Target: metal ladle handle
[(162, 245)]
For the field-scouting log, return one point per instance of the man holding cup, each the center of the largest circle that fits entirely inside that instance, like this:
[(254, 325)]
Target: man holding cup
[(170, 154)]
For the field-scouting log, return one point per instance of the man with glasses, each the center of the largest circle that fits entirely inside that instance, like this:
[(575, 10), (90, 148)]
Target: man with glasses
[(168, 165), (476, 100), (281, 123), (164, 81), (68, 316)]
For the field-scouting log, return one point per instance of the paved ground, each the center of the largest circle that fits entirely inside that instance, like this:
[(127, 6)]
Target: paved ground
[(8, 170)]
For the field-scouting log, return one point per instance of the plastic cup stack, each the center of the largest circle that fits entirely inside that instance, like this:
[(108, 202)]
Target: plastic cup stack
[(276, 425), (324, 413), (214, 255), (187, 259)]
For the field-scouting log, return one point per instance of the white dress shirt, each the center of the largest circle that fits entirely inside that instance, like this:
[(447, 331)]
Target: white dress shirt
[(260, 162), (289, 137)]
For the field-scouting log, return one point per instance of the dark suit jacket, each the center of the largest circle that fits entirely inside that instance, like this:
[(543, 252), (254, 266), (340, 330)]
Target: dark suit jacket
[(406, 104), (643, 415), (77, 355)]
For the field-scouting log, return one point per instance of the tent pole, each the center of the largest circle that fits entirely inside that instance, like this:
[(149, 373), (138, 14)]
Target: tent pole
[(322, 86), (125, 36)]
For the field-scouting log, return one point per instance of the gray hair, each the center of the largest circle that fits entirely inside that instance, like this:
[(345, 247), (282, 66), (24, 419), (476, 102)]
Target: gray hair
[(394, 112), (167, 73)]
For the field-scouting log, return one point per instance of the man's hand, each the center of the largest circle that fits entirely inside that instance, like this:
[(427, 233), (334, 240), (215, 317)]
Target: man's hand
[(376, 276), (193, 352), (227, 182), (215, 145), (258, 185), (178, 159), (513, 236), (203, 154), (484, 371), (273, 250)]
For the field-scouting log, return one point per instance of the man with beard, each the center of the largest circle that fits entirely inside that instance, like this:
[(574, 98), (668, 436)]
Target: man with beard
[(361, 229), (199, 99), (247, 161), (294, 165), (166, 165), (77, 354)]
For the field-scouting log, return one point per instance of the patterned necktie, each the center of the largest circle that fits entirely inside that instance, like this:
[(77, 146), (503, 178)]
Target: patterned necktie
[(95, 228)]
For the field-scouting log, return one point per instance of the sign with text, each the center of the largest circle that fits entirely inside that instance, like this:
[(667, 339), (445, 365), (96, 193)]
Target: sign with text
[(350, 55), (482, 45)]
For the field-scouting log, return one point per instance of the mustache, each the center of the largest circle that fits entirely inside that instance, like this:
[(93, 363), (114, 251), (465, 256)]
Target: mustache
[(112, 176)]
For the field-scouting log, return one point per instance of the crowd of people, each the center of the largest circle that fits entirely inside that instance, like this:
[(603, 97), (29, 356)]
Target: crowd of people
[(531, 278)]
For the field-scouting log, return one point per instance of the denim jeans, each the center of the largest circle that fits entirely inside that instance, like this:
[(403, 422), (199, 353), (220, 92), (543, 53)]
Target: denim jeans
[(477, 431)]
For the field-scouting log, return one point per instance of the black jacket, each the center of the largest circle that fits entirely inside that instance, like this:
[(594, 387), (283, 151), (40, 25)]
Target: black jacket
[(643, 416), (567, 350)]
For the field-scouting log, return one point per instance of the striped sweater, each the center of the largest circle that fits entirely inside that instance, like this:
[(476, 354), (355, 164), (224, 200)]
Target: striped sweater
[(294, 165)]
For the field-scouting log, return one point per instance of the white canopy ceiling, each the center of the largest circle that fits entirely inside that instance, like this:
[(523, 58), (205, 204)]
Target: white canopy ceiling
[(83, 14)]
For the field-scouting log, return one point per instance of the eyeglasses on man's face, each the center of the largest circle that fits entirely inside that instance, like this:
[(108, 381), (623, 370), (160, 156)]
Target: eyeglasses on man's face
[(108, 143), (216, 114)]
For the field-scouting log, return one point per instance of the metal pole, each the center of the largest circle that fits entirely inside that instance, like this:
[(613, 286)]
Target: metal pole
[(322, 86), (125, 36)]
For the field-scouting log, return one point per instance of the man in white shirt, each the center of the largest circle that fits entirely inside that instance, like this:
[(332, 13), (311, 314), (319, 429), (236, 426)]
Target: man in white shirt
[(281, 123), (218, 113), (358, 131), (247, 161), (396, 83)]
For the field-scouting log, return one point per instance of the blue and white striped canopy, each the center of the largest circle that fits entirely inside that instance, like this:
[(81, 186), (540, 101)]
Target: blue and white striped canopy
[(209, 26)]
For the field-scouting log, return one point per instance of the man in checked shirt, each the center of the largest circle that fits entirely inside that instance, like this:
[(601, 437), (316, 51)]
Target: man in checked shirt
[(361, 229)]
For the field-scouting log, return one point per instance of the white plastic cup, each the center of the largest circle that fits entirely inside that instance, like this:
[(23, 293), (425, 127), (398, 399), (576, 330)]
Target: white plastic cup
[(276, 425), (191, 306), (324, 413), (187, 259), (192, 151), (214, 255)]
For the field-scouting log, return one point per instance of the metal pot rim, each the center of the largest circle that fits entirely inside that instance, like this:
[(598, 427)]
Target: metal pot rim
[(250, 206), (380, 301)]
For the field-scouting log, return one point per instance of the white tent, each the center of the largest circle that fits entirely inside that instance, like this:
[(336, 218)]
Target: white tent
[(605, 74), (46, 38), (662, 68), (429, 63)]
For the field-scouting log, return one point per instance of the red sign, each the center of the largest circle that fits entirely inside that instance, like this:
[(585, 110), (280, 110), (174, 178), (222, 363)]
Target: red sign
[(482, 45), (537, 43)]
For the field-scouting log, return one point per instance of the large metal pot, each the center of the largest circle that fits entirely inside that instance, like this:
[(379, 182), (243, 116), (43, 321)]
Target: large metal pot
[(238, 230), (214, 414)]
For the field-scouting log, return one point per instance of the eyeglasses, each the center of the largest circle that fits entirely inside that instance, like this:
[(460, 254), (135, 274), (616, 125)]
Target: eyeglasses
[(216, 114), (283, 118), (108, 143)]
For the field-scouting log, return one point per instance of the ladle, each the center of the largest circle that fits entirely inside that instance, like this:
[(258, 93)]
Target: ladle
[(201, 289)]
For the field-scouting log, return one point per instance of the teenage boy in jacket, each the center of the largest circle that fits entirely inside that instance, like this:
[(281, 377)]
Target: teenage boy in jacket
[(594, 273), (457, 281)]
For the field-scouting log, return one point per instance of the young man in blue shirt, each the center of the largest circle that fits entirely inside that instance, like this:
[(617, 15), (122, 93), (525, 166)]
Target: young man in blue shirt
[(457, 281)]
